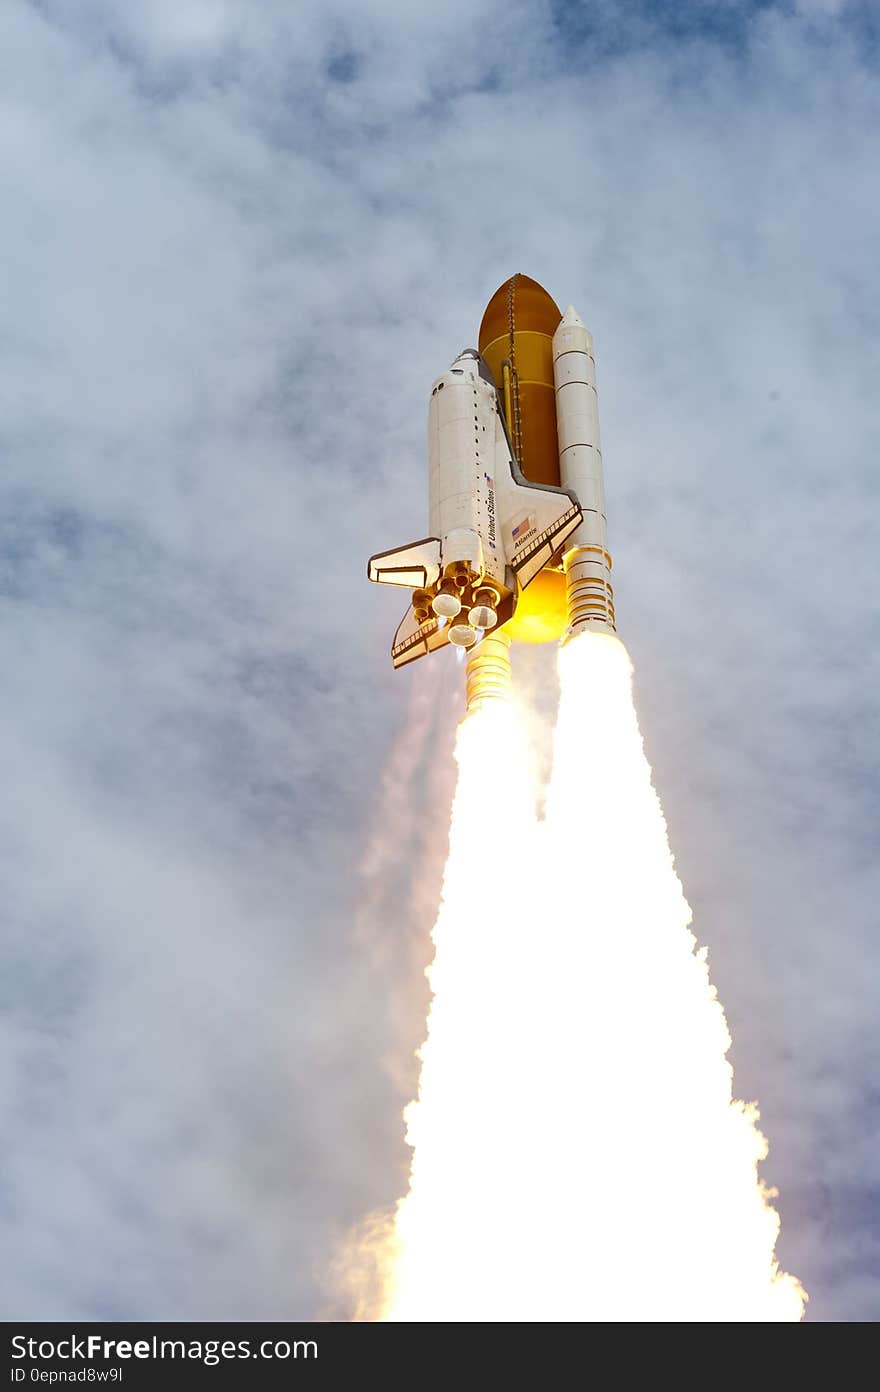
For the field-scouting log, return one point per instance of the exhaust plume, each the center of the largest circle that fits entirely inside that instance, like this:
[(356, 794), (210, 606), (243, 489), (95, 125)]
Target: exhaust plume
[(577, 1150)]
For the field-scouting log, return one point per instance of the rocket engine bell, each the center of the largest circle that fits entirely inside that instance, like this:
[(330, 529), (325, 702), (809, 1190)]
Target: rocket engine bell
[(518, 546)]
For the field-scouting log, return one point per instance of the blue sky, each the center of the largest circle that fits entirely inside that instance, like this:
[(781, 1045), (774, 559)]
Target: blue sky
[(238, 243)]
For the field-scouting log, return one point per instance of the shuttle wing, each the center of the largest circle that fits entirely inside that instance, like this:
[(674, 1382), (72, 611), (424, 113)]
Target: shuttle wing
[(414, 566), (536, 520), (544, 530), (413, 639)]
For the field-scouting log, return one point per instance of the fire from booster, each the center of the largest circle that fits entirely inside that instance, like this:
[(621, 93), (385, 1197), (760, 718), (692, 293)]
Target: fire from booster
[(577, 1151), (458, 1239)]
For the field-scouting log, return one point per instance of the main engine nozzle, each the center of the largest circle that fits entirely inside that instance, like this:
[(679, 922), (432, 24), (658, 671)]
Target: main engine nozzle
[(446, 603), (482, 614)]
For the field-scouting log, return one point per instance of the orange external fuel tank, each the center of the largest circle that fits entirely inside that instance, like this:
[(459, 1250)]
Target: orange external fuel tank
[(516, 340)]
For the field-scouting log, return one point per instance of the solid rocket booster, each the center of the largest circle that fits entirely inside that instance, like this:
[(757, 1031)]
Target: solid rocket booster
[(518, 548), (488, 671), (587, 565)]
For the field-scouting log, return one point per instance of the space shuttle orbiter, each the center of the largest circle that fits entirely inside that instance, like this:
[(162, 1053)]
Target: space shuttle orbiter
[(516, 502)]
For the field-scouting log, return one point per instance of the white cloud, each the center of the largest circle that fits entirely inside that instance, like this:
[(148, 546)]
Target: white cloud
[(238, 243)]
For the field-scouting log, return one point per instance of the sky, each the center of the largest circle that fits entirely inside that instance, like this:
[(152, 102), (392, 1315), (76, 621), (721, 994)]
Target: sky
[(238, 243)]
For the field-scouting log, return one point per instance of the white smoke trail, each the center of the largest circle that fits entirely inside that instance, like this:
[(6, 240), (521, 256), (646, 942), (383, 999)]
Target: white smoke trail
[(577, 1152), (456, 1252)]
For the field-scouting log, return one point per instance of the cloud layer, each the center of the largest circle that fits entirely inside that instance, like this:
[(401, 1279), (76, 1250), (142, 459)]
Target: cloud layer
[(238, 244)]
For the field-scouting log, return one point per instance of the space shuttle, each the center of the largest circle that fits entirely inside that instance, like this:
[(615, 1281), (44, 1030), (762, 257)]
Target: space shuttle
[(517, 548)]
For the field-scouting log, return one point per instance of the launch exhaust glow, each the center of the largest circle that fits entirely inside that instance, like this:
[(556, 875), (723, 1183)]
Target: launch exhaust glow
[(577, 1151)]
